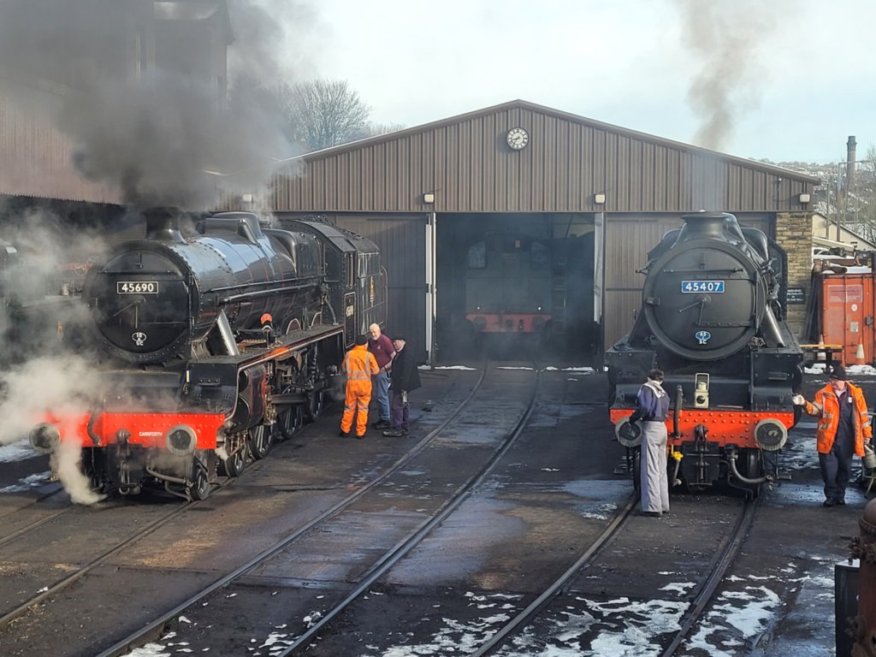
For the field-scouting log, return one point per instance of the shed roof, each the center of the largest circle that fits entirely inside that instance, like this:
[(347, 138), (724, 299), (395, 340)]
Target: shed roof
[(464, 161)]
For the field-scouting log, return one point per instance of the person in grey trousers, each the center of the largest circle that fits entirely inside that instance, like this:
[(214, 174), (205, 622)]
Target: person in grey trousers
[(652, 407)]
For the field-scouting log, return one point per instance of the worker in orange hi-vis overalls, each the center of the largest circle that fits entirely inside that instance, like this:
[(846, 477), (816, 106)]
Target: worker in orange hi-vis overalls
[(359, 366)]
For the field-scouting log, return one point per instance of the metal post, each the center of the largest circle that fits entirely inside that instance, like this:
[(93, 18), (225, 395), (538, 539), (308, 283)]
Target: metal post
[(431, 286)]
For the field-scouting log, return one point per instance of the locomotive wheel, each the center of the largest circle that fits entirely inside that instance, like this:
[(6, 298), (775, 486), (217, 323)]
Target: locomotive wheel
[(315, 404), (753, 470), (235, 463), (200, 488), (259, 441), (289, 423)]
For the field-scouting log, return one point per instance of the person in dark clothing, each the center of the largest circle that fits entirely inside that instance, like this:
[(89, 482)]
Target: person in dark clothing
[(843, 428), (652, 407), (404, 378)]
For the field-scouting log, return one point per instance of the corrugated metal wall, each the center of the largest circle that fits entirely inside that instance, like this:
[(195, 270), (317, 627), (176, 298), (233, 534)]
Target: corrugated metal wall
[(36, 159), (402, 242), (627, 240), (465, 162), (648, 183)]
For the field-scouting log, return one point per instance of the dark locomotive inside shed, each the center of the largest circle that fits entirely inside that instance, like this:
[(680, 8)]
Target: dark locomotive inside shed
[(516, 286)]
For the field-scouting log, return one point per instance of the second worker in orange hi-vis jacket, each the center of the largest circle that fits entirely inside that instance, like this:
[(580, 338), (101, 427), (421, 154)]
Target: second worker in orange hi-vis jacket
[(359, 366), (843, 429)]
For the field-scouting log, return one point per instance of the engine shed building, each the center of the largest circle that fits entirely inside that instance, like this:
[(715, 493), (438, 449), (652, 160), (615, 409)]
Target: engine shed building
[(609, 194)]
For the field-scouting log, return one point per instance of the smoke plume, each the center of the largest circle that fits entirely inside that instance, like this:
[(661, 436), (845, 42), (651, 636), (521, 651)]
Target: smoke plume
[(155, 115), (727, 40)]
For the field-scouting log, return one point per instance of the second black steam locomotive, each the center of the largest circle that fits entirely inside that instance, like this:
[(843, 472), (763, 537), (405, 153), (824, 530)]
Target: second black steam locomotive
[(712, 317), (213, 344)]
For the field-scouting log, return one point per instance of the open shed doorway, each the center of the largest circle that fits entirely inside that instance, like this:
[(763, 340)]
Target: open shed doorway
[(517, 287)]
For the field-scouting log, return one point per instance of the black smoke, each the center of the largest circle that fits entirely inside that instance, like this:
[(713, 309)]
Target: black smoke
[(147, 105)]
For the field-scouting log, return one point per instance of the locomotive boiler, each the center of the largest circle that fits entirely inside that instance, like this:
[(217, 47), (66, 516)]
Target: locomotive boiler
[(213, 343), (713, 318)]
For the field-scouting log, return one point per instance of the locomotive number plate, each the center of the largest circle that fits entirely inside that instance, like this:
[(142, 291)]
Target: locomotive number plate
[(136, 287), (694, 287)]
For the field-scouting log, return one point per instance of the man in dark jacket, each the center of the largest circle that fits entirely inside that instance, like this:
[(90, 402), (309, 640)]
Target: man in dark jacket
[(843, 430), (404, 379)]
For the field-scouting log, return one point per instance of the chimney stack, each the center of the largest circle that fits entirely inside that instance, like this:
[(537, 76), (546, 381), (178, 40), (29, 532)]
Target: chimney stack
[(851, 158)]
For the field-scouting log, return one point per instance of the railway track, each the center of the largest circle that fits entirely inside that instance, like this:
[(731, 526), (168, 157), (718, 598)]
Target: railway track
[(52, 532), (344, 582), (233, 599), (701, 539), (553, 599), (56, 532)]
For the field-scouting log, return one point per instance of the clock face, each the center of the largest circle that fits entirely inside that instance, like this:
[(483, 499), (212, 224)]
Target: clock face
[(517, 138)]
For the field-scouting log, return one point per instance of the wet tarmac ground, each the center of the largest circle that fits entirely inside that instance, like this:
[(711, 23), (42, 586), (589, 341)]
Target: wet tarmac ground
[(538, 505)]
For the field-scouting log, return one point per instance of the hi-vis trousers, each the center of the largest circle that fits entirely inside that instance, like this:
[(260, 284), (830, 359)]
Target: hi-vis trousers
[(356, 402)]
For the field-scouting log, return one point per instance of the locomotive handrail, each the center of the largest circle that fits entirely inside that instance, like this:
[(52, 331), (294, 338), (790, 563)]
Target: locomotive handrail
[(242, 286), (261, 293)]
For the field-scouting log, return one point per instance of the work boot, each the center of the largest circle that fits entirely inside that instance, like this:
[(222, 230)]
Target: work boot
[(344, 434), (381, 424)]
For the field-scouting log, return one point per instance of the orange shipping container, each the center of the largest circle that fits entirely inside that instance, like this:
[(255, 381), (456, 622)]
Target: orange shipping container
[(846, 311)]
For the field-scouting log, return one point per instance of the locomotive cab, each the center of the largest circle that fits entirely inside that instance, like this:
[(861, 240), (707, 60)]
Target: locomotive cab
[(355, 279)]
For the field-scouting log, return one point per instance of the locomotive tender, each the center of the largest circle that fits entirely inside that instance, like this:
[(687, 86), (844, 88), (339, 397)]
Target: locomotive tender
[(712, 317), (214, 344)]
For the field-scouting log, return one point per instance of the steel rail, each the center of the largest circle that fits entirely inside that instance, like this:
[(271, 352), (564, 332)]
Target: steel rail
[(406, 545), (154, 627), (533, 609), (718, 569), (64, 582), (36, 523)]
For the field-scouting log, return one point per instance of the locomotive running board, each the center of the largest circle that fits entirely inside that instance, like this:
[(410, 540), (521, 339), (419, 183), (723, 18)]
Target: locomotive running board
[(284, 346)]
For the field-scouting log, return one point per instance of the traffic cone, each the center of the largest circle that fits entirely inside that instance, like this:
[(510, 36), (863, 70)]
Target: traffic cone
[(859, 355), (820, 355)]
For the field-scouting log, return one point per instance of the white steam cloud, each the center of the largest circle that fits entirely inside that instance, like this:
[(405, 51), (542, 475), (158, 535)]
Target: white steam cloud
[(42, 375), (65, 386)]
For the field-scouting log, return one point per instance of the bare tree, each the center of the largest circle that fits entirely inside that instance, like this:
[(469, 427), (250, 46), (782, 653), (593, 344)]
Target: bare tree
[(375, 129), (324, 113)]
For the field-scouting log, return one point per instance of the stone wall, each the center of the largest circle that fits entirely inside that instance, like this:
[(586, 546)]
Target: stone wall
[(794, 234)]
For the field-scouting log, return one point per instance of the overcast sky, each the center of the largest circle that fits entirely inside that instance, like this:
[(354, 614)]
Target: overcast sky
[(778, 79)]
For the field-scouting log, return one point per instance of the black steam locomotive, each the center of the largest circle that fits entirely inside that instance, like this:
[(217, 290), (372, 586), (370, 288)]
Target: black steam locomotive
[(712, 318), (213, 344)]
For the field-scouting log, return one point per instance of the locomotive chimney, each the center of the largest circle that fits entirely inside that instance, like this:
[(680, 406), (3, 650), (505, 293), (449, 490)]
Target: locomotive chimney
[(704, 224), (162, 224), (850, 162)]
